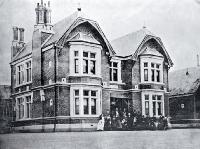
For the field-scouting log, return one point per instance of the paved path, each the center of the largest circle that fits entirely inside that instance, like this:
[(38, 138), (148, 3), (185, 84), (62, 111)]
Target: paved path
[(171, 139)]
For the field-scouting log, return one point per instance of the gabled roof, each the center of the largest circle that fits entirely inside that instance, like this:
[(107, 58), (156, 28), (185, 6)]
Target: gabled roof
[(184, 81), (5, 91), (26, 50), (128, 44), (60, 30), (83, 37)]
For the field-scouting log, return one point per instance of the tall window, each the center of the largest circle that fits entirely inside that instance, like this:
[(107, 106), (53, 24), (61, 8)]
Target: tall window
[(145, 71), (157, 105), (89, 102), (89, 63), (76, 62), (20, 107), (28, 106), (28, 71), (20, 74), (146, 104), (113, 71), (76, 98), (155, 72)]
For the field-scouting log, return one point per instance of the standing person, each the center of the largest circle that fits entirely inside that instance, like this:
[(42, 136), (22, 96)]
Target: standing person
[(118, 122), (100, 125), (129, 121), (107, 124)]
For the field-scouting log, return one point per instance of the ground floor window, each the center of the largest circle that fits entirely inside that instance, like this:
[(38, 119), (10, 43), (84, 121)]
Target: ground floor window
[(86, 102), (153, 104), (23, 107)]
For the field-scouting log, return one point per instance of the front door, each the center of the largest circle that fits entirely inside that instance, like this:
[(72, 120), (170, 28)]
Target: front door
[(120, 103)]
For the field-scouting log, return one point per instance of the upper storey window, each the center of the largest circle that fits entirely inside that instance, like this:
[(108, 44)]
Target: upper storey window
[(24, 73), (115, 71), (85, 60), (151, 69)]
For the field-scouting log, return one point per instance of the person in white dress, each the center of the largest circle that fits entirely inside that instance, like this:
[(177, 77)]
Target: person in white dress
[(100, 125)]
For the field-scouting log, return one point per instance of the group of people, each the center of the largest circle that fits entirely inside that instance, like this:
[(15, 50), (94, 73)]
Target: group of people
[(123, 120)]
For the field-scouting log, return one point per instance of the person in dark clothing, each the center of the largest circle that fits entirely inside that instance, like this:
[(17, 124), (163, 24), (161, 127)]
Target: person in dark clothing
[(129, 121), (107, 124)]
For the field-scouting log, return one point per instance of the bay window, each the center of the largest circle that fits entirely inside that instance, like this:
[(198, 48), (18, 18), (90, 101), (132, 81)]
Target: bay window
[(153, 104), (151, 70), (85, 102)]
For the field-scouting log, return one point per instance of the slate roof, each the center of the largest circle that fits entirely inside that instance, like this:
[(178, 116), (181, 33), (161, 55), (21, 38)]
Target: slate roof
[(128, 44), (5, 92), (26, 50), (181, 82)]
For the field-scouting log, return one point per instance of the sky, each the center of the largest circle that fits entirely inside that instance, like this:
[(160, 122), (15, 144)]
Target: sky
[(176, 22)]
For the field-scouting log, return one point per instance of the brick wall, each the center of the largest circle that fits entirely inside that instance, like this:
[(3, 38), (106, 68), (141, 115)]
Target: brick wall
[(137, 102)]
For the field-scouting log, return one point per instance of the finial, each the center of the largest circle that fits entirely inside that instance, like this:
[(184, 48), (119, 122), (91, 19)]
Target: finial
[(187, 73), (79, 7), (42, 2), (144, 25)]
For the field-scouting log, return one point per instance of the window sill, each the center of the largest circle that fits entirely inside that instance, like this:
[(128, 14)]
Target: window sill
[(117, 83), (23, 119), (156, 83), (27, 83), (85, 116), (85, 75)]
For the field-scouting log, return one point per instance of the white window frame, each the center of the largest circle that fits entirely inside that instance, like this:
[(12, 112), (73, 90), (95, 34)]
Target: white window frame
[(151, 93), (118, 70), (83, 47), (149, 60), (24, 71), (24, 106), (81, 100)]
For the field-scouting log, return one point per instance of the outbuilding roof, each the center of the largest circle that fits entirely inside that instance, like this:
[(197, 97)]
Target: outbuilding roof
[(184, 81)]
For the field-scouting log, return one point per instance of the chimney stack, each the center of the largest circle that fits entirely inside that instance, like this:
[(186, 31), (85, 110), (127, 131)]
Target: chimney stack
[(18, 40), (198, 65), (21, 33)]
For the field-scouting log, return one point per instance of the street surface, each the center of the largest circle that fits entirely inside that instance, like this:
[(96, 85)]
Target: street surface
[(170, 139)]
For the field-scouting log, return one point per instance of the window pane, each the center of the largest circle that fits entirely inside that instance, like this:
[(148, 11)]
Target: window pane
[(93, 93), (76, 66), (85, 93), (157, 66), (145, 74), (85, 54), (76, 106), (145, 64), (146, 107), (154, 108), (159, 108), (152, 75), (115, 64), (92, 67), (110, 74), (76, 92), (75, 53), (85, 66), (93, 106), (86, 106), (92, 55), (158, 75), (152, 65), (153, 97), (159, 97), (115, 75), (146, 97)]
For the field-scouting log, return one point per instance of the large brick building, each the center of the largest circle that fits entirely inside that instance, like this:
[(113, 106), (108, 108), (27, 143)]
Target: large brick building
[(70, 73)]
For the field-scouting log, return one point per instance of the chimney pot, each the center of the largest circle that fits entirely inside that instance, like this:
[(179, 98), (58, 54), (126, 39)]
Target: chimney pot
[(48, 3), (198, 65)]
